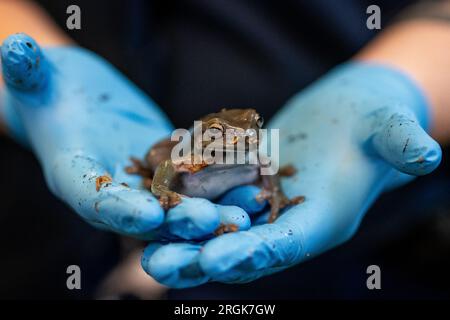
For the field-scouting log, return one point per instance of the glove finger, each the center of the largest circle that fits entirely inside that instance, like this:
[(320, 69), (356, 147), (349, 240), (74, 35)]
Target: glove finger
[(174, 265), (234, 217), (23, 70), (85, 184), (193, 218), (23, 63), (404, 144), (197, 219), (244, 197)]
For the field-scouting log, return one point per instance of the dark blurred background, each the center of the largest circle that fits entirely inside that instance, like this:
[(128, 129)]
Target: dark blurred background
[(194, 57)]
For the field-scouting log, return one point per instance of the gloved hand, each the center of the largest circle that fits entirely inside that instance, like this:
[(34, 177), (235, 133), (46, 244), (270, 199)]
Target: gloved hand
[(356, 132), (83, 120)]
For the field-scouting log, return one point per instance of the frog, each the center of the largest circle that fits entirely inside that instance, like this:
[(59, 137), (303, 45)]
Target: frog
[(170, 180)]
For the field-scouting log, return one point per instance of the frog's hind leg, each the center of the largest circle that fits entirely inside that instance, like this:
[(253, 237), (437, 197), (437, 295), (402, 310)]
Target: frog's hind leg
[(165, 175), (138, 168), (273, 193), (278, 201)]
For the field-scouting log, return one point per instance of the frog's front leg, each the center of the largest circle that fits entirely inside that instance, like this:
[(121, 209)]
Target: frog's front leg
[(139, 168), (272, 191), (165, 175)]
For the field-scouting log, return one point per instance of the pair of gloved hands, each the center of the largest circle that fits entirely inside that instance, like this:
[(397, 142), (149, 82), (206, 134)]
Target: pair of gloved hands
[(356, 132)]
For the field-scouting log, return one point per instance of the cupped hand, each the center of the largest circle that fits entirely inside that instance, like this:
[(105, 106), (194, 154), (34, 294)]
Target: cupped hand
[(356, 132), (84, 120)]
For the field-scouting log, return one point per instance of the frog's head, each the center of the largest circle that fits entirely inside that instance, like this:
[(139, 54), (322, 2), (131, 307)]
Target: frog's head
[(235, 125)]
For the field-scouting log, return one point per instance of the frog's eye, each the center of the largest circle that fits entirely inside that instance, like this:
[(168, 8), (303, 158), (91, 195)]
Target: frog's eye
[(216, 128), (259, 121)]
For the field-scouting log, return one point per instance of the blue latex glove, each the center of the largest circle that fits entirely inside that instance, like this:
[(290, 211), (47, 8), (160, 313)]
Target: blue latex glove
[(356, 132), (84, 120)]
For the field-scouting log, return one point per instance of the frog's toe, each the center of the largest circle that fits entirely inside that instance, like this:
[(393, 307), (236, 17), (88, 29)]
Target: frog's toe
[(297, 200), (174, 200), (164, 202), (169, 200)]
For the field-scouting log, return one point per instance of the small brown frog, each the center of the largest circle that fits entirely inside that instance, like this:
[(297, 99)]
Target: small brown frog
[(168, 179)]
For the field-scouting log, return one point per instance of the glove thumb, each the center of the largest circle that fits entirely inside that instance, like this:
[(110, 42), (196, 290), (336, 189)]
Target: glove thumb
[(404, 144), (23, 65)]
